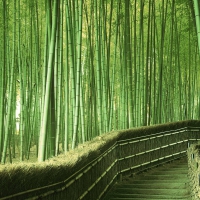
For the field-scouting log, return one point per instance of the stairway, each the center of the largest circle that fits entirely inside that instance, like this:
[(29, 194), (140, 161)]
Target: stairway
[(167, 182)]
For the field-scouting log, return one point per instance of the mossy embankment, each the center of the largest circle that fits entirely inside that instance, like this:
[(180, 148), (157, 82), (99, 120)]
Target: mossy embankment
[(19, 177)]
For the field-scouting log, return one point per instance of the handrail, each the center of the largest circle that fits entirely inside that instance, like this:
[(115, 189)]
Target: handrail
[(124, 156)]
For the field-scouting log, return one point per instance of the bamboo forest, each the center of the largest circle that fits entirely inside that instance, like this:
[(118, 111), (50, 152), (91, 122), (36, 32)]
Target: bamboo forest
[(71, 70)]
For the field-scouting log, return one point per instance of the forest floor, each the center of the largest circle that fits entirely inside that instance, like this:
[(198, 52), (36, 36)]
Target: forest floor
[(71, 155), (32, 158)]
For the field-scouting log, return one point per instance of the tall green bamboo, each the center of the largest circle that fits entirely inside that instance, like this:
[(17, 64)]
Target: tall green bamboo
[(3, 74), (78, 74), (98, 65), (197, 17), (43, 129), (10, 91), (108, 67)]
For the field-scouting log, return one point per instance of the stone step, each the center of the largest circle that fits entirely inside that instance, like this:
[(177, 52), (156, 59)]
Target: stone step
[(166, 177), (147, 191), (161, 185), (143, 181), (148, 197), (169, 172)]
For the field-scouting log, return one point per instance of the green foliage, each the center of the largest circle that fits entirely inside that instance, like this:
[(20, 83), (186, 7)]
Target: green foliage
[(93, 67)]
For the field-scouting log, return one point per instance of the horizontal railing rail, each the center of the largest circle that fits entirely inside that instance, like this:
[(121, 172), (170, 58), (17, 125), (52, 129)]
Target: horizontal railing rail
[(124, 156)]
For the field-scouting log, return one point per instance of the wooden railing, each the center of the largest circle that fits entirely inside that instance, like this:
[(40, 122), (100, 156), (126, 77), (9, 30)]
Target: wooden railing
[(133, 150)]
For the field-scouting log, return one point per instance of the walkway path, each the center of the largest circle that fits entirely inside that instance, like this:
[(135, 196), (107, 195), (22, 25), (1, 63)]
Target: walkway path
[(164, 182)]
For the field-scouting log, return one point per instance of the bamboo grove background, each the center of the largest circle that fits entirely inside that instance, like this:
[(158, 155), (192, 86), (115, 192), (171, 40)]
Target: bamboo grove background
[(74, 69)]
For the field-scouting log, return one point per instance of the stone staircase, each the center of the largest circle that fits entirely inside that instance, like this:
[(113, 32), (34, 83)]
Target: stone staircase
[(168, 181)]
